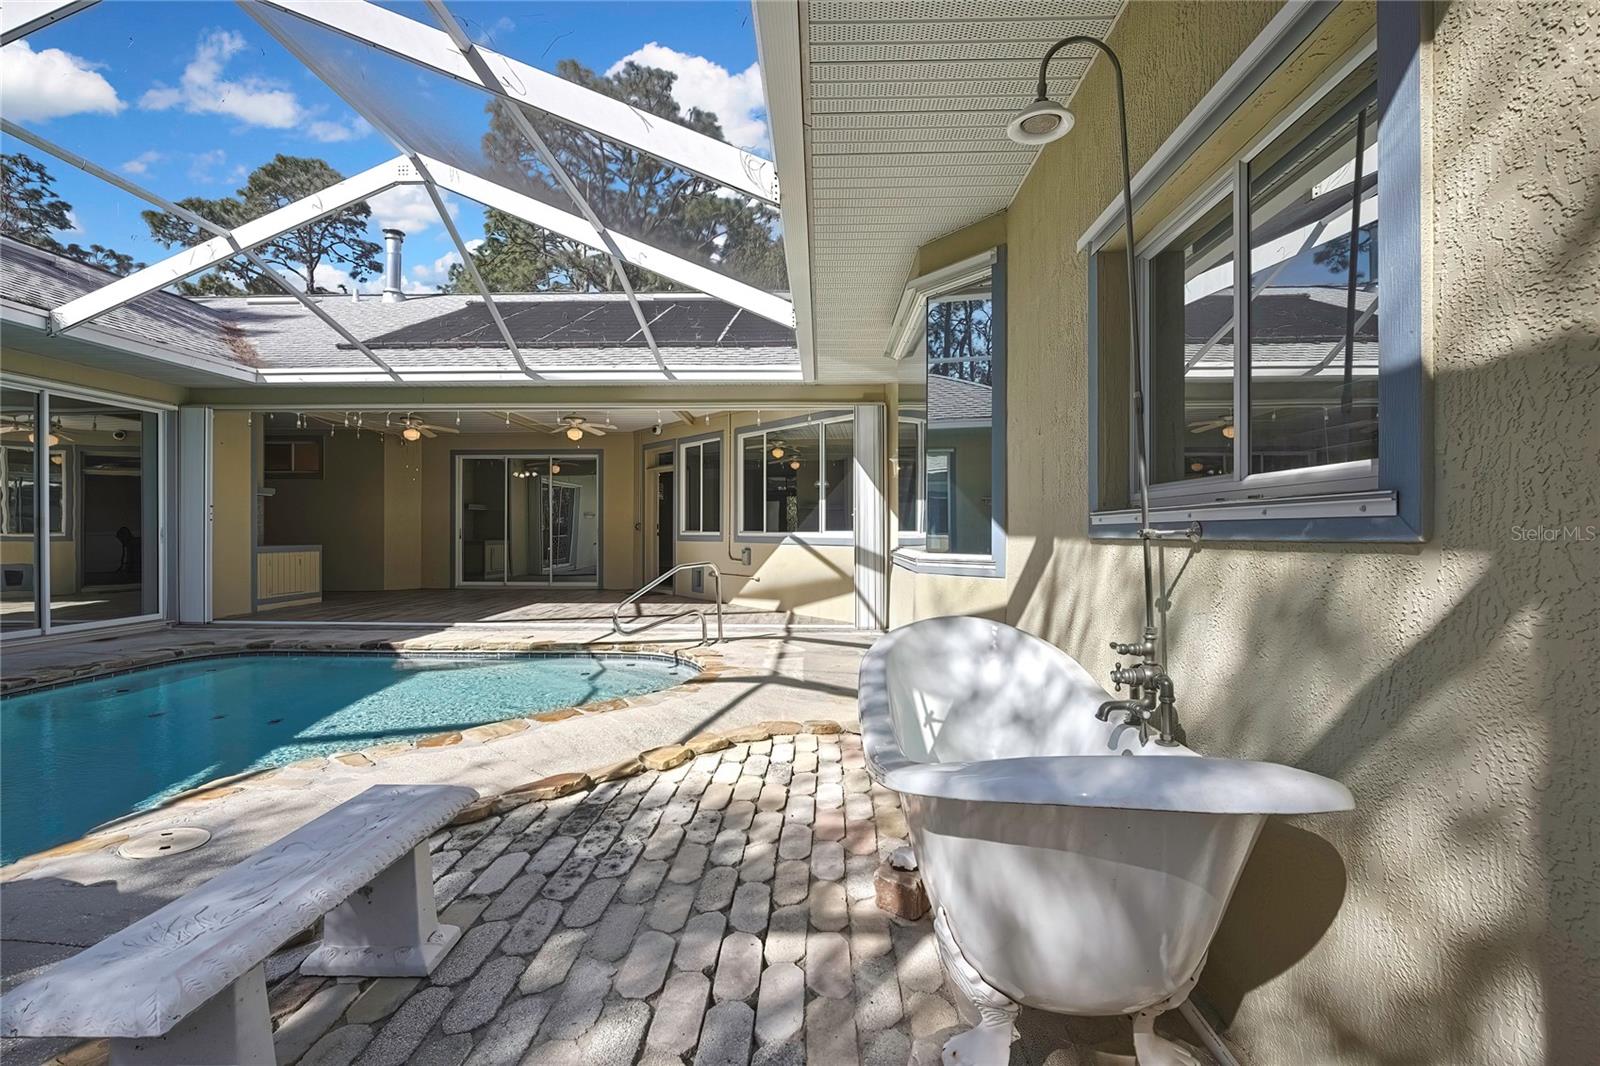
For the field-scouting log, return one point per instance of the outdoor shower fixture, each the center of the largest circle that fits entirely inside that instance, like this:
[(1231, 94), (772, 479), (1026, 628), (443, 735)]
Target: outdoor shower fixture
[(1152, 702)]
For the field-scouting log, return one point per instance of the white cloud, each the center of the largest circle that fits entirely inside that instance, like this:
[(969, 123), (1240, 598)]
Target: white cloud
[(203, 90), (735, 99), (203, 165), (408, 208), (330, 132), (427, 277), (141, 163), (39, 86), (74, 227)]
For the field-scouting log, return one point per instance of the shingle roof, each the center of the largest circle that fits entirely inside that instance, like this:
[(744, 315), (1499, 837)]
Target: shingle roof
[(45, 281), (290, 337), (954, 400), (279, 334)]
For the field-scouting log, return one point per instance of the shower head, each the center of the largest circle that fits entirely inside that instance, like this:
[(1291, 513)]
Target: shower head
[(1040, 122)]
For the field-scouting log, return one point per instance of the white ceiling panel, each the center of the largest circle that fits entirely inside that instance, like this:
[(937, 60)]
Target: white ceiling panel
[(905, 105)]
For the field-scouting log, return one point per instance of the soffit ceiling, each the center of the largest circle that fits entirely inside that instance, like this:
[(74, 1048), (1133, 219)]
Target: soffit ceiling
[(905, 106), (535, 420)]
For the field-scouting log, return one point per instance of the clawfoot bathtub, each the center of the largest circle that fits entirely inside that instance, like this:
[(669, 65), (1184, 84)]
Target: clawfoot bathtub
[(1070, 868)]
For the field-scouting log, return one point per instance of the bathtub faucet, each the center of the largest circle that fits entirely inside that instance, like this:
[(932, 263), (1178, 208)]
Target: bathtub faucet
[(1153, 703)]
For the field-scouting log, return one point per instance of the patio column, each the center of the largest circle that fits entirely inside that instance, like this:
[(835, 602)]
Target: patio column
[(870, 523), (194, 515)]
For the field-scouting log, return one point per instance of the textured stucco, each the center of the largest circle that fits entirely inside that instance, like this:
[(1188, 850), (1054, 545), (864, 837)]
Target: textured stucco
[(1454, 917)]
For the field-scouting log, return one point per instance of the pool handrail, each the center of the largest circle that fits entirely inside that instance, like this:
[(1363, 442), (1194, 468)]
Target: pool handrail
[(716, 576)]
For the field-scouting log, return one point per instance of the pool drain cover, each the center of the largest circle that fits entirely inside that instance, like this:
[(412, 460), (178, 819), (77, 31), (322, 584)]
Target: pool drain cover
[(163, 842)]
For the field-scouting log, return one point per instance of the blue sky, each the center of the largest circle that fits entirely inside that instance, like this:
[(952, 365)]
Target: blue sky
[(187, 97)]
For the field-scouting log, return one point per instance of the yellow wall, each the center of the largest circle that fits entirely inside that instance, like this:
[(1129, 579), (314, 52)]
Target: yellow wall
[(60, 372), (402, 517), (233, 483), (813, 580), (1450, 919), (343, 511)]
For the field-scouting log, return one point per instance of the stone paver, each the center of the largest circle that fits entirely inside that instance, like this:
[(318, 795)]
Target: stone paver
[(828, 965), (780, 1010), (481, 999), (830, 1033), (405, 1030), (676, 1026), (498, 874), (512, 1031), (582, 994), (555, 958), (725, 1038), (750, 906), (700, 942), (738, 968), (718, 913), (643, 971)]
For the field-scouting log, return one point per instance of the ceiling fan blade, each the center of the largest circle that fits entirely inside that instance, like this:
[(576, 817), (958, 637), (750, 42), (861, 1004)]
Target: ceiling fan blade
[(437, 429), (1207, 427), (426, 432), (596, 430)]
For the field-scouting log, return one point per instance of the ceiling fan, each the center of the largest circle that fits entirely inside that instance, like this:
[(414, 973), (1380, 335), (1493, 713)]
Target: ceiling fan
[(414, 428), (575, 426), (21, 426), (1224, 424)]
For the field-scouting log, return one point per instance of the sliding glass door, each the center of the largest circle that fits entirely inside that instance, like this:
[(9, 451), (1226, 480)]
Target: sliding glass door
[(81, 511), (525, 519)]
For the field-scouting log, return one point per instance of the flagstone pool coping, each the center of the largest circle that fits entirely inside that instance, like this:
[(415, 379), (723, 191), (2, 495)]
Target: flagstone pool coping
[(709, 665)]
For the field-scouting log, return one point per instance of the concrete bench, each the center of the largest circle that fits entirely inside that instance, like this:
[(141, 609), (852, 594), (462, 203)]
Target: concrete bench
[(187, 985)]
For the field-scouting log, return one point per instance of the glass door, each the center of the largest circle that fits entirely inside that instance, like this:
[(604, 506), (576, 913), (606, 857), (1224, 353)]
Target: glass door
[(529, 526), (572, 509), (530, 520), (19, 541), (481, 520)]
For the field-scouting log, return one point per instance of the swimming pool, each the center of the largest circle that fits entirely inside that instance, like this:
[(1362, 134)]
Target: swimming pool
[(76, 755)]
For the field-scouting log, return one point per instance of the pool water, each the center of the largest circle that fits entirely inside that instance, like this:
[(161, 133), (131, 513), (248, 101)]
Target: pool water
[(77, 755)]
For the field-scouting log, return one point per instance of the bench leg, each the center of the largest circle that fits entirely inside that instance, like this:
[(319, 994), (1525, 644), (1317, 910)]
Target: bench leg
[(390, 928), (233, 1026)]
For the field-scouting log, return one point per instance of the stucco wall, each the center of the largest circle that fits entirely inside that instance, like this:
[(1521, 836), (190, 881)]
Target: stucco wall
[(815, 580), (1454, 917), (343, 510), (233, 482)]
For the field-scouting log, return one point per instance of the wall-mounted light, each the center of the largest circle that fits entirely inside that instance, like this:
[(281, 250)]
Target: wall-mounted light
[(574, 433)]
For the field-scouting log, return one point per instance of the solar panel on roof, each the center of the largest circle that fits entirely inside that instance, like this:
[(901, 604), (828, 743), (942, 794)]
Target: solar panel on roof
[(592, 324)]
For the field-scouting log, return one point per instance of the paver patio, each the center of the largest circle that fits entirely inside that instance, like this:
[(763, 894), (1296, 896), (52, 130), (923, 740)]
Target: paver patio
[(717, 912)]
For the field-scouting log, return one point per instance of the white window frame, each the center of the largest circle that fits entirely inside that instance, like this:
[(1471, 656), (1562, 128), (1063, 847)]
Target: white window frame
[(822, 534), (914, 535), (698, 446), (910, 340)]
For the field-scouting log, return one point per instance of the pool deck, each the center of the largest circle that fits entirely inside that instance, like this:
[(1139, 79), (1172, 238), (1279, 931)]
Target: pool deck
[(729, 918)]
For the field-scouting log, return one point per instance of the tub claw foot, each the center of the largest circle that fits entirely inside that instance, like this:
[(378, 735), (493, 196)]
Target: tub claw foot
[(989, 1042), (1152, 1050)]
